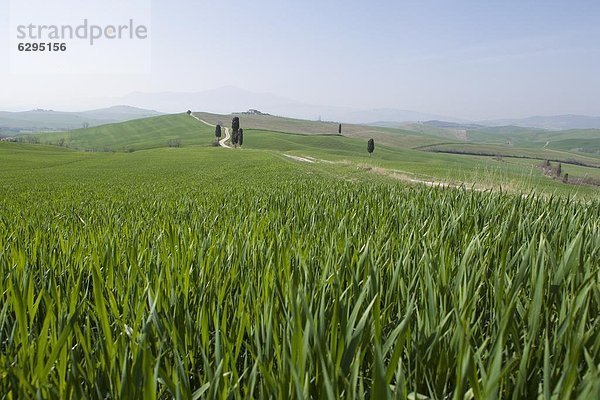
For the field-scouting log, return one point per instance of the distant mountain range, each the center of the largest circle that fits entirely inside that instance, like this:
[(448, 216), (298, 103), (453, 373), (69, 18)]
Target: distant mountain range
[(557, 122), (429, 123), (49, 120), (550, 123), (232, 99)]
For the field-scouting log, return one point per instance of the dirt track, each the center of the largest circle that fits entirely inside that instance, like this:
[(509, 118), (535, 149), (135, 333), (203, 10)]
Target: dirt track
[(223, 141)]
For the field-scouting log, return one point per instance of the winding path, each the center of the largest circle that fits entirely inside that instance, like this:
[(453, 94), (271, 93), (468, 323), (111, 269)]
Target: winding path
[(222, 141)]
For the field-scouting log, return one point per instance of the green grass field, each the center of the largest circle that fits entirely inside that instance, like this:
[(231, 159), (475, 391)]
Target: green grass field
[(134, 135), (520, 152), (399, 154), (213, 273), (513, 139), (584, 141), (205, 272), (514, 174)]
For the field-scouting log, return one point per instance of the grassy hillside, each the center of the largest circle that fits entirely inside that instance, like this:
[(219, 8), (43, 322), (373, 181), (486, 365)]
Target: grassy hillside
[(585, 142), (399, 138), (588, 146), (519, 152), (408, 165), (582, 141), (207, 272), (135, 135), (576, 145), (158, 131), (269, 122), (398, 154)]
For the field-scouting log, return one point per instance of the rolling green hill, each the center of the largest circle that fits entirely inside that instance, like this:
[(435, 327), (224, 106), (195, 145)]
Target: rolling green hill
[(587, 146), (578, 141), (135, 135), (156, 132), (585, 142), (395, 137), (494, 150), (400, 154)]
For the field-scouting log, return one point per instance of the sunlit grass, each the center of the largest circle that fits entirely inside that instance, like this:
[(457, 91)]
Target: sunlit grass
[(229, 274)]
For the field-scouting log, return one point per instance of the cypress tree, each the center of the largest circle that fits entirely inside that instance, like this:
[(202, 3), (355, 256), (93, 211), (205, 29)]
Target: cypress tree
[(235, 128), (370, 146), (241, 137)]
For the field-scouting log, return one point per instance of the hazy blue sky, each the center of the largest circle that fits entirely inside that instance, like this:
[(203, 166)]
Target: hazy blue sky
[(469, 59)]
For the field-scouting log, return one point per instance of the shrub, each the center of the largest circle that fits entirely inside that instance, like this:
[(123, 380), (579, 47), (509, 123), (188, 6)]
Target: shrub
[(174, 143)]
